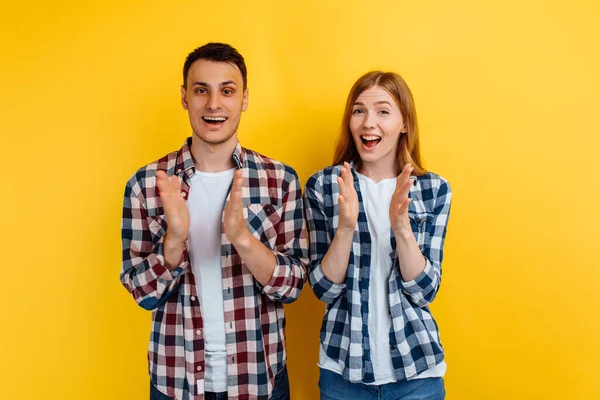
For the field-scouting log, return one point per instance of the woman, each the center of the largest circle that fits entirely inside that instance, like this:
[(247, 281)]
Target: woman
[(377, 222)]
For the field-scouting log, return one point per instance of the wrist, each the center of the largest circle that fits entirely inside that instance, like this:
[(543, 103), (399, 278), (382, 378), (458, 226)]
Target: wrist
[(172, 240), (344, 232), (173, 248), (403, 233), (243, 240)]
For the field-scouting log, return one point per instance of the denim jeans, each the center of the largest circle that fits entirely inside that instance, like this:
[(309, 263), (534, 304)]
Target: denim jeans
[(334, 387), (281, 390)]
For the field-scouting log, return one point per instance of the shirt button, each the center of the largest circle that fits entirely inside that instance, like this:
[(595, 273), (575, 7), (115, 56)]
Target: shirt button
[(199, 368), (182, 194), (419, 220), (179, 170), (198, 332), (193, 298), (392, 347)]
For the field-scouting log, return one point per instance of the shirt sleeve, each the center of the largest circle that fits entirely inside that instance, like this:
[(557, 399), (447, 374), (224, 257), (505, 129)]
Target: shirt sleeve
[(423, 289), (143, 272), (319, 231), (291, 247)]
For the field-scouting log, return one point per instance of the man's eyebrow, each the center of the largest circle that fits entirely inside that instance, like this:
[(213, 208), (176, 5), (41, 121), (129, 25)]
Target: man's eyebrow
[(224, 83), (228, 83)]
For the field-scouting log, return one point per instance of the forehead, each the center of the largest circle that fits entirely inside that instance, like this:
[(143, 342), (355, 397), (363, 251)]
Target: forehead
[(375, 94), (214, 72)]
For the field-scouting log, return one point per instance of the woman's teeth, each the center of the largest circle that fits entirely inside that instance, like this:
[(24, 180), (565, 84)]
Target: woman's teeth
[(370, 140)]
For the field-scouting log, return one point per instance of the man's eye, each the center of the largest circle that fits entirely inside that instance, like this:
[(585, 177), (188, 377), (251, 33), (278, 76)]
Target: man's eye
[(200, 90), (227, 92)]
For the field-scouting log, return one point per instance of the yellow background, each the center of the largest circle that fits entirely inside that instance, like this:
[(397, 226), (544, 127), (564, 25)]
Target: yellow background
[(507, 95)]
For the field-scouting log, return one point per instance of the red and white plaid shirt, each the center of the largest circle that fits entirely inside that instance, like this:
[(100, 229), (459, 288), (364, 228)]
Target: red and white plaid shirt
[(254, 316)]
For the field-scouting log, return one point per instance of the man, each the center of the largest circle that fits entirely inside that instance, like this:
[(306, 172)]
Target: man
[(214, 244)]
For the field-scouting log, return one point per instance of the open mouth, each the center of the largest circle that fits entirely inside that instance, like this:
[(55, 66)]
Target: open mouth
[(370, 141), (214, 120)]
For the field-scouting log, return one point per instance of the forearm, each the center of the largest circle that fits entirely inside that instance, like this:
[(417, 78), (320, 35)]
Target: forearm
[(411, 261), (259, 259), (335, 261), (173, 251), (147, 278)]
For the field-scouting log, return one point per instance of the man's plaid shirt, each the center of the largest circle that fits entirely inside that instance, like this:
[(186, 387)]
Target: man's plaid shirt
[(414, 339), (254, 317)]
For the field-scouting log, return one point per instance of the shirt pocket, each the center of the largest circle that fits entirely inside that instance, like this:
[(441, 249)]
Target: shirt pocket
[(420, 223), (157, 224), (263, 222)]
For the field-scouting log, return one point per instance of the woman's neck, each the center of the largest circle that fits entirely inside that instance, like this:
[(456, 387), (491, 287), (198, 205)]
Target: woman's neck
[(378, 171)]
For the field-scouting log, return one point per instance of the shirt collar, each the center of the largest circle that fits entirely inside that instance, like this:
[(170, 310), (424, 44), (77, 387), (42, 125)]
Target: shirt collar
[(185, 162)]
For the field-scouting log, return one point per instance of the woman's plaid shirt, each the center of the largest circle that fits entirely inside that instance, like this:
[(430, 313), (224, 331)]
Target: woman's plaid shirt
[(414, 339), (254, 317)]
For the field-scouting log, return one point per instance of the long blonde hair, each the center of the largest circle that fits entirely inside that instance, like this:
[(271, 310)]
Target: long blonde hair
[(408, 143)]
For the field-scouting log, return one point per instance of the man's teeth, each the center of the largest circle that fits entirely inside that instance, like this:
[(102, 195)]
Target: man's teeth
[(214, 119)]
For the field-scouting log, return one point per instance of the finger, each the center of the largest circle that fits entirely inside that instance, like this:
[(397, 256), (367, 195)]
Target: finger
[(236, 190), (348, 178), (353, 196), (162, 181), (406, 188), (404, 175), (175, 184), (342, 185)]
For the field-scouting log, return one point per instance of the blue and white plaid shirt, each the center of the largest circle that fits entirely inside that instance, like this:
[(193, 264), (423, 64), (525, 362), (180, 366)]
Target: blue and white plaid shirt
[(415, 343)]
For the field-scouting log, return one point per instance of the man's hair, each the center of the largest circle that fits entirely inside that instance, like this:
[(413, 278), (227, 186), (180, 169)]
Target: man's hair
[(219, 52)]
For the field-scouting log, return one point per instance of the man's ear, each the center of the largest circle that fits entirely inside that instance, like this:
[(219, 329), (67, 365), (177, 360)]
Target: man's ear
[(184, 102), (245, 100)]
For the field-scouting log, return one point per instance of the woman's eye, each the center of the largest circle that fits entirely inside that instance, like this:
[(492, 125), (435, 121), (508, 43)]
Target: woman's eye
[(384, 112), (357, 111)]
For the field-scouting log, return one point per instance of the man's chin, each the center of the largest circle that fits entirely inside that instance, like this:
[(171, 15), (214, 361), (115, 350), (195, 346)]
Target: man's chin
[(214, 139)]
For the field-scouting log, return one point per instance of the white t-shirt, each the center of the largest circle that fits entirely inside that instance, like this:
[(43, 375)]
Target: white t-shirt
[(206, 200), (376, 201)]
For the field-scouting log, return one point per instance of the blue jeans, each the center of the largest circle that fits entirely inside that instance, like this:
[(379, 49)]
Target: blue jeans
[(281, 390), (334, 387)]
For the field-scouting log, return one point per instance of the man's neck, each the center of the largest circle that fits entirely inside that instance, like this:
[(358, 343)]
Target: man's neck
[(213, 157)]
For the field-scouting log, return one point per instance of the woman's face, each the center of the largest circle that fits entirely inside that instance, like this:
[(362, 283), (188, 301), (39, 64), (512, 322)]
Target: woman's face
[(376, 124)]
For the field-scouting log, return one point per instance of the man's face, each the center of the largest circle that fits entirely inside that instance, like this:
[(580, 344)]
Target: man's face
[(214, 98)]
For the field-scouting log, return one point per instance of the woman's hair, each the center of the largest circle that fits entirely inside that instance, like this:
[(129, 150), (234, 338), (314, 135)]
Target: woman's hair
[(408, 143)]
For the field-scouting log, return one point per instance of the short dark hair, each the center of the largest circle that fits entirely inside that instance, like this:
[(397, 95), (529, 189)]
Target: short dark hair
[(219, 52)]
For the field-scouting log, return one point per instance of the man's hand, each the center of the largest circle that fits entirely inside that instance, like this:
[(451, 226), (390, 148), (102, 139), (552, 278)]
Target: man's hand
[(176, 212), (234, 223)]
